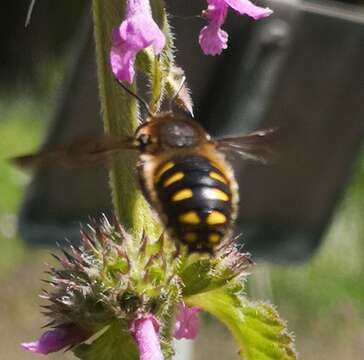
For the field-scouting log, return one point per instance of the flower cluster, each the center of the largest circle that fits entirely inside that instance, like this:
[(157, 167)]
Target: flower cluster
[(139, 31), (105, 282)]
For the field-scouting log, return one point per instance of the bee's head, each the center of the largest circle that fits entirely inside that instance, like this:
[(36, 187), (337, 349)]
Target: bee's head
[(168, 131)]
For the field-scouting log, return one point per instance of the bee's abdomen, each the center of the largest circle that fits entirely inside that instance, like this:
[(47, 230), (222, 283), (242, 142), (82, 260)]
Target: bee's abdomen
[(196, 199)]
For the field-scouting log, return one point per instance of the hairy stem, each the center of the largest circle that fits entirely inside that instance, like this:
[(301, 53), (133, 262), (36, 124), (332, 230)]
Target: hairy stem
[(120, 116)]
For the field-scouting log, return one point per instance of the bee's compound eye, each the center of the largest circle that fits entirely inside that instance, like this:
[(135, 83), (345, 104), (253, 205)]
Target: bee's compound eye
[(144, 140)]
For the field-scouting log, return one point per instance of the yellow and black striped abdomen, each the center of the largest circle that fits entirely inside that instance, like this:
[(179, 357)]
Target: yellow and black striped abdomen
[(196, 200)]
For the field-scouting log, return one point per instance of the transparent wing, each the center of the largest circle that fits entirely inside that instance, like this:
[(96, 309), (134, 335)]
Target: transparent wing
[(256, 146), (79, 152)]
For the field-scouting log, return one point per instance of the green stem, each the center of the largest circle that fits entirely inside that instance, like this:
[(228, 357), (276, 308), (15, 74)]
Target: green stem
[(120, 116), (159, 69)]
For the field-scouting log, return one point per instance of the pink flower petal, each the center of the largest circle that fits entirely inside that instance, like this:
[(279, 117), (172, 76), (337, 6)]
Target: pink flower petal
[(140, 31), (212, 39), (216, 11), (137, 32), (146, 334), (245, 7), (122, 63), (187, 322), (57, 339)]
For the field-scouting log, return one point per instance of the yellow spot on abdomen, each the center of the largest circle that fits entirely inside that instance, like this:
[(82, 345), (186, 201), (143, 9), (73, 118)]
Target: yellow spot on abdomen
[(174, 178), (216, 194), (217, 177), (190, 217), (216, 218), (182, 195), (163, 169), (190, 237), (214, 238)]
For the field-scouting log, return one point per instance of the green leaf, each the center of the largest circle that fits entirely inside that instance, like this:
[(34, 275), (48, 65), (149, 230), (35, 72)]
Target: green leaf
[(203, 274), (260, 332), (198, 276), (115, 343)]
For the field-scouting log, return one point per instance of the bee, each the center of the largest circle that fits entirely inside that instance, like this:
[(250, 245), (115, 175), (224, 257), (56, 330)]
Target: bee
[(183, 173)]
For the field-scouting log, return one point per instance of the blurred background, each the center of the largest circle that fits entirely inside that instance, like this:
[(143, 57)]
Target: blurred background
[(301, 216)]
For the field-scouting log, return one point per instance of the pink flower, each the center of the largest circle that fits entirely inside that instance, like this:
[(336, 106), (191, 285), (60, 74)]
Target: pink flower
[(212, 38), (137, 32), (57, 339), (145, 330), (187, 322)]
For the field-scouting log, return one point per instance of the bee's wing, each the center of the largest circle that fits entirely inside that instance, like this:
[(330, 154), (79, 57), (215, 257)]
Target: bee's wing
[(76, 153), (255, 146)]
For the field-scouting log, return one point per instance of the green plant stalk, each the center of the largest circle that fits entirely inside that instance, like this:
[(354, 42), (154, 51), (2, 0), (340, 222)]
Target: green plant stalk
[(120, 116), (160, 69)]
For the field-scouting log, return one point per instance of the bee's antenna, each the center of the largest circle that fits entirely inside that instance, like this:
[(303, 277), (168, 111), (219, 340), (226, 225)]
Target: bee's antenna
[(173, 99), (140, 99)]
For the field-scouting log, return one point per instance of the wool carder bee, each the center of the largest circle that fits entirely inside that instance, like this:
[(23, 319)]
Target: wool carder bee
[(183, 174)]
